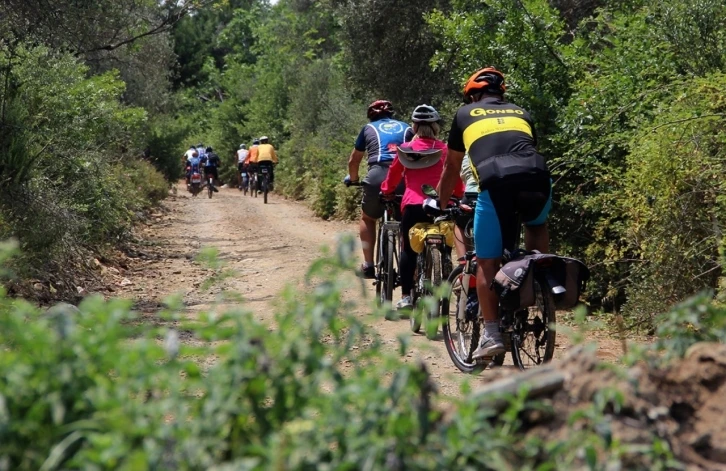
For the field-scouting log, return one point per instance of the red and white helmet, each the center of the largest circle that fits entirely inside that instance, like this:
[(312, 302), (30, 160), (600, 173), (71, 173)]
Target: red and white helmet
[(378, 108)]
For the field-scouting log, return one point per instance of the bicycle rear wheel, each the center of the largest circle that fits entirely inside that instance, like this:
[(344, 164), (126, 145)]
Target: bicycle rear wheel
[(461, 324), (264, 189), (533, 335)]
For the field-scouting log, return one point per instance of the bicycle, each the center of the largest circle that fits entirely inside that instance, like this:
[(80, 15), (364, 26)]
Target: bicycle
[(433, 265), (528, 334), (244, 176), (253, 182), (387, 261), (264, 170)]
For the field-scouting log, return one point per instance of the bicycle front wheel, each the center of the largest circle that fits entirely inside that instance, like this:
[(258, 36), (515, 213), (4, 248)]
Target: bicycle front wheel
[(434, 272), (390, 275), (461, 324), (533, 335)]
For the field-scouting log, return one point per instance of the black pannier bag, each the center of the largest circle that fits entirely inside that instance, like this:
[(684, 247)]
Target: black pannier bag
[(514, 282)]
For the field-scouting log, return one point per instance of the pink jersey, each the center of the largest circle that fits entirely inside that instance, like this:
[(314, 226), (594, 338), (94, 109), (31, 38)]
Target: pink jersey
[(416, 178)]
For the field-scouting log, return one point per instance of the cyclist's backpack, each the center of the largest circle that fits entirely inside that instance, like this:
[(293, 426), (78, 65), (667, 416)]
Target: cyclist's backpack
[(515, 281)]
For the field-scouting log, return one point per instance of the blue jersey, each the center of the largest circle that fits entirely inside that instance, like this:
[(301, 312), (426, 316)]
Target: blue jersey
[(380, 138), (194, 164)]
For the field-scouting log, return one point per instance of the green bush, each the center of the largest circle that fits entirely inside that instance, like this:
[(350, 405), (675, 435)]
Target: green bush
[(98, 388), (71, 175)]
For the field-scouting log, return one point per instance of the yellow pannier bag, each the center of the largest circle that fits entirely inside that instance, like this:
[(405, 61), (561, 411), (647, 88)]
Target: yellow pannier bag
[(420, 231)]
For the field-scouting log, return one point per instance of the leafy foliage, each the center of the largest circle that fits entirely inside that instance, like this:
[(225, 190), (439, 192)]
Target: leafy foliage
[(69, 139), (318, 392)]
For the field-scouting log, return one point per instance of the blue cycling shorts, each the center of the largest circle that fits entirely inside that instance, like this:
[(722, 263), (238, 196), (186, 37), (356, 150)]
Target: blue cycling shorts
[(500, 209)]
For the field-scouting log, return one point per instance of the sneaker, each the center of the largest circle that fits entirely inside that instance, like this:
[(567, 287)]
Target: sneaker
[(368, 272), (488, 347), (404, 303)]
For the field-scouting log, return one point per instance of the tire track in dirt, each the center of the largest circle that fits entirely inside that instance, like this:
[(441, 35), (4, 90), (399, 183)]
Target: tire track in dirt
[(267, 246)]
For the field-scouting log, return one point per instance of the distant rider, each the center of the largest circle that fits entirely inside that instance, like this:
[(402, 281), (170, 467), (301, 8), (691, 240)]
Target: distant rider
[(267, 157), (252, 159), (188, 155), (201, 151), (378, 141), (241, 163), (211, 163)]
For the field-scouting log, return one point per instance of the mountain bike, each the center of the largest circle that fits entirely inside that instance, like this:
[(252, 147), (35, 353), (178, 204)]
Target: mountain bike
[(387, 255), (244, 175), (210, 187), (264, 171), (528, 334), (433, 265), (253, 181)]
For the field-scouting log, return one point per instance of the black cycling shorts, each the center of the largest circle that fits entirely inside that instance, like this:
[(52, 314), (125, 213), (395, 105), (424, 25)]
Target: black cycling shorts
[(211, 171), (372, 205)]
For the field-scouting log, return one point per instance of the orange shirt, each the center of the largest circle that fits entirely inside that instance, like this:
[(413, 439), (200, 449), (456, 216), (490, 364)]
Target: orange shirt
[(252, 155)]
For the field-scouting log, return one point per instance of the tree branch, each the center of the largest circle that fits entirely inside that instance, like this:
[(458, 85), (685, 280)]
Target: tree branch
[(715, 115)]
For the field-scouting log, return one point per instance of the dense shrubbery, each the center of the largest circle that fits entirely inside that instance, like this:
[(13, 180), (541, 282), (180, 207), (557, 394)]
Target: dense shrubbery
[(70, 178), (98, 388)]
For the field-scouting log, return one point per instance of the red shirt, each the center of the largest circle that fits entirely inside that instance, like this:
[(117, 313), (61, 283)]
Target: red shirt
[(416, 178)]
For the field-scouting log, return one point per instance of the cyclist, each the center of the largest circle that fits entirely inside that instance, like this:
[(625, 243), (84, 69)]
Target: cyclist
[(188, 155), (513, 178), (378, 141), (267, 157), (252, 159), (241, 162), (419, 162), (211, 163), (193, 165), (201, 151)]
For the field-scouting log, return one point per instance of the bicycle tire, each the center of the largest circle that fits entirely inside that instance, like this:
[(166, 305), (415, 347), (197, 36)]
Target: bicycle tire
[(546, 304), (209, 190), (380, 250), (434, 269), (453, 339), (390, 270), (264, 189)]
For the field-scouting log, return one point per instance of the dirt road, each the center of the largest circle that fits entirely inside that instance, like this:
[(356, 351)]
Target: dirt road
[(267, 246)]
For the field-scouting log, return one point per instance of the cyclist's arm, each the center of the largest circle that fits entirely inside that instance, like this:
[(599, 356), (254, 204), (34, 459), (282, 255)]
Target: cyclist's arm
[(273, 154), (395, 173), (354, 164), (450, 179)]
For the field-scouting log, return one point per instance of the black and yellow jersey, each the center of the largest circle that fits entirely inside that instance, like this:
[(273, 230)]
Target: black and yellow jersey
[(499, 138)]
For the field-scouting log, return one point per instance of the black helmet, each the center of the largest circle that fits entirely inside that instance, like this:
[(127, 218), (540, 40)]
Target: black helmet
[(255, 142), (242, 146), (425, 114), (193, 147), (209, 149), (200, 145)]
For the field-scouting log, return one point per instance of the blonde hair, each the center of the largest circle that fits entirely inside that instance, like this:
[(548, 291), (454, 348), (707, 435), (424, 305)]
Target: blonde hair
[(426, 129)]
